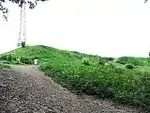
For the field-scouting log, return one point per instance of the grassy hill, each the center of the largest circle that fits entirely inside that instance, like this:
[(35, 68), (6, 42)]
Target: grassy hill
[(124, 80)]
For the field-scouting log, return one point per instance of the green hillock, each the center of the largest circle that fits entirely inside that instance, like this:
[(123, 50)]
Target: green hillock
[(120, 80)]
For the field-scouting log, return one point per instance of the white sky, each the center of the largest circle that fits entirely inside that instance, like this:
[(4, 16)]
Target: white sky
[(104, 27)]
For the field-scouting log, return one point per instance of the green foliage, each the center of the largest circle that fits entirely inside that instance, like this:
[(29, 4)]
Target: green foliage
[(129, 66), (102, 61), (133, 60), (23, 44), (7, 57), (88, 74), (25, 60), (86, 61), (108, 58), (3, 57), (4, 66)]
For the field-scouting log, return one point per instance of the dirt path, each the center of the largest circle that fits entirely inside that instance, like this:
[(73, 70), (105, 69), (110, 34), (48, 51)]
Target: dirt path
[(25, 89)]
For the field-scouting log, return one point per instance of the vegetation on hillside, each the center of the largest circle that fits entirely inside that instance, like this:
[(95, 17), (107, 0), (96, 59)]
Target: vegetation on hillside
[(2, 65), (121, 80), (134, 61)]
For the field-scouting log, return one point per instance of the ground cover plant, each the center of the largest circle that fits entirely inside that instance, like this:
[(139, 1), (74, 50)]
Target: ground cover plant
[(123, 80), (2, 65)]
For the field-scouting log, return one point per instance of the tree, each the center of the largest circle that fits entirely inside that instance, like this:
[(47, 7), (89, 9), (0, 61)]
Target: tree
[(20, 3), (146, 1), (23, 44)]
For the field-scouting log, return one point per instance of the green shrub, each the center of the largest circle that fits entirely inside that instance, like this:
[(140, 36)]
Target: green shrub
[(122, 60), (108, 58), (4, 66), (6, 62), (26, 60), (86, 61), (134, 61), (102, 61), (23, 44), (3, 57), (103, 81), (9, 57), (129, 66), (17, 62)]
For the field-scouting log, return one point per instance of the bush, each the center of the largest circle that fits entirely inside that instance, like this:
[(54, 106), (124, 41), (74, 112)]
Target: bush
[(105, 81), (122, 60), (134, 61), (3, 57), (7, 57), (5, 62), (108, 58), (17, 61), (129, 66), (26, 60), (4, 66), (102, 61), (86, 61), (23, 44)]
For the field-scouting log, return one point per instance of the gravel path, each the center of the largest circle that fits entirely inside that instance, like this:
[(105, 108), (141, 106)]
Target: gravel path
[(25, 89)]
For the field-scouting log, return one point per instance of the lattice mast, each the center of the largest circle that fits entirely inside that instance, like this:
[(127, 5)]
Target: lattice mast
[(22, 29)]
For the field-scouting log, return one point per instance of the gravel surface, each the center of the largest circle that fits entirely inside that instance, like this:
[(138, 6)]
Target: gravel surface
[(25, 89)]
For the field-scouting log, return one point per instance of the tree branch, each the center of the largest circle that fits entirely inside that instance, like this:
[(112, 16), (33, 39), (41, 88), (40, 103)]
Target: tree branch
[(4, 10)]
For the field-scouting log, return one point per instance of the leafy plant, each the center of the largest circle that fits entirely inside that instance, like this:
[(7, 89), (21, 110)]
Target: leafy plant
[(108, 58), (86, 61), (129, 66), (4, 66), (26, 60), (102, 61)]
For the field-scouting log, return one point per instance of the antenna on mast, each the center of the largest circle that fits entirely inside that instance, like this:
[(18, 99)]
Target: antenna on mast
[(22, 30)]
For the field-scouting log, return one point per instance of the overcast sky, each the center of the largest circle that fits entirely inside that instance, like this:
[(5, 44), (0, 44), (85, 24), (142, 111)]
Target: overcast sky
[(104, 27)]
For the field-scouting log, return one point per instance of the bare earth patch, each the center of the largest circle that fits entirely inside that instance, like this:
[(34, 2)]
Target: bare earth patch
[(25, 89)]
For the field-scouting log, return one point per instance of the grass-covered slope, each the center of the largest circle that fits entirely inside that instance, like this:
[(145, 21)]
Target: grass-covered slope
[(90, 74), (2, 65), (137, 61)]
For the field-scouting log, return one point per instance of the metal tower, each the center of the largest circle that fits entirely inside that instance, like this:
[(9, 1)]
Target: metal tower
[(22, 30)]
